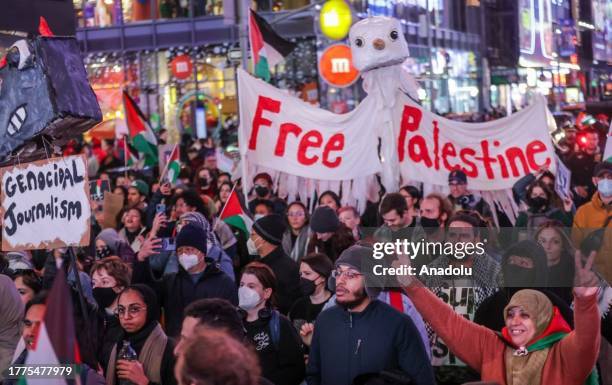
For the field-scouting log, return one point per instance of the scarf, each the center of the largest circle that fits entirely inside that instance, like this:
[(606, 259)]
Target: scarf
[(524, 365), (150, 356)]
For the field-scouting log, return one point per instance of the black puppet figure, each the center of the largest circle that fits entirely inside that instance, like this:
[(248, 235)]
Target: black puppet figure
[(45, 97)]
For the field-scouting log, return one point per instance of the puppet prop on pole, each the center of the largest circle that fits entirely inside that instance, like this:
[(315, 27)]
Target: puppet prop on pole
[(45, 97)]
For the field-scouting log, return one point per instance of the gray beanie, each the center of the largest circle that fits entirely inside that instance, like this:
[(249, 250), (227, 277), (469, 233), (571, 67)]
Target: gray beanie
[(360, 258)]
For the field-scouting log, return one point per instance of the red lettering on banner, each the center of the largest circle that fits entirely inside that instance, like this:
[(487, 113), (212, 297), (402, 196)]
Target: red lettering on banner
[(534, 148), (448, 150), (471, 160), (267, 104), (514, 153), (415, 143), (411, 119), (472, 172), (486, 159), (310, 139), (285, 129), (335, 143)]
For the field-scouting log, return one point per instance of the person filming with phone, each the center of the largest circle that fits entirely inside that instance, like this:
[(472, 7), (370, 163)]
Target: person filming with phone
[(198, 276)]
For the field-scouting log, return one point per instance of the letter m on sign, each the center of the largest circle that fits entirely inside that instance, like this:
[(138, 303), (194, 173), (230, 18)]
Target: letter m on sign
[(340, 66)]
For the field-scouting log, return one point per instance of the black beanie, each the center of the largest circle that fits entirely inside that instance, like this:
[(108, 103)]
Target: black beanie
[(192, 235), (324, 220), (271, 228)]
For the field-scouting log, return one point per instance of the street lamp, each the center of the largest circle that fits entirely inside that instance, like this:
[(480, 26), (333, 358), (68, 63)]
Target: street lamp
[(336, 19)]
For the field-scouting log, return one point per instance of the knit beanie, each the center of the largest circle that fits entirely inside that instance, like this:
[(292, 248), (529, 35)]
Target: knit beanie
[(319, 263), (360, 258), (324, 220), (111, 238), (270, 228), (192, 235)]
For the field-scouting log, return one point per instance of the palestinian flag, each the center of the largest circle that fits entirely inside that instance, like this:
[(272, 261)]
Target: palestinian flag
[(269, 49), (141, 135), (233, 214), (173, 167), (56, 342)]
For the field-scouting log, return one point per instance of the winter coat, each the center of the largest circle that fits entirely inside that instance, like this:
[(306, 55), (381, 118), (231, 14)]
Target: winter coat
[(177, 290), (347, 344), (287, 278), (589, 217), (282, 362), (11, 314), (569, 361)]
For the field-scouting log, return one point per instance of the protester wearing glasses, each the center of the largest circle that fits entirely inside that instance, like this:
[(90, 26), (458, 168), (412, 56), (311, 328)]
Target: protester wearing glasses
[(138, 314), (362, 335), (295, 238)]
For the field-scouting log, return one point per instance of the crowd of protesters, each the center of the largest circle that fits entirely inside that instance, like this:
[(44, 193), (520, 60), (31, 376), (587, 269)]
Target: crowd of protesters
[(201, 301)]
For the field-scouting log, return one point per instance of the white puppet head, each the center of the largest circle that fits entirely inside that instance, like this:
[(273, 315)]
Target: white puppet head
[(377, 42)]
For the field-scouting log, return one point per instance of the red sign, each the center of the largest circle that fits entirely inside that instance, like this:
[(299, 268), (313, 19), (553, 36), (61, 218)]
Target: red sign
[(336, 66), (182, 67)]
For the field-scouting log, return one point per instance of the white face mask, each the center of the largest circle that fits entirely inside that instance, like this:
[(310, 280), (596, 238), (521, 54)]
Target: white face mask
[(188, 260), (248, 298), (258, 216), (252, 248)]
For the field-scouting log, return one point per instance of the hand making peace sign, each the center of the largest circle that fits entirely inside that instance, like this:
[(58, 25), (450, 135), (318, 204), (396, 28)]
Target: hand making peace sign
[(585, 280)]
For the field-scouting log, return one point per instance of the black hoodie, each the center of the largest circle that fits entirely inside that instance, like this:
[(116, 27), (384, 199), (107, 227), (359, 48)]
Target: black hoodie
[(490, 313)]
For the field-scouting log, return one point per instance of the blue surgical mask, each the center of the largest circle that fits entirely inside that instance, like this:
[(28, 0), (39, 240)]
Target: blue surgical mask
[(604, 186)]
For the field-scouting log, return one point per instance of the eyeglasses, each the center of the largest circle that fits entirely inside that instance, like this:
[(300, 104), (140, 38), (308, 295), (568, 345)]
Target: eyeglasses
[(349, 274), (131, 310)]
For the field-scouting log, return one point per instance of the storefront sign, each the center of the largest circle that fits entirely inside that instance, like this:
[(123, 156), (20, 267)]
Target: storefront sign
[(182, 67), (45, 204), (336, 66), (283, 133)]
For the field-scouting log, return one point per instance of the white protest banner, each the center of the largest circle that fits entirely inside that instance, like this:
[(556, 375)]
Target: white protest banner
[(45, 204), (283, 133), (494, 155)]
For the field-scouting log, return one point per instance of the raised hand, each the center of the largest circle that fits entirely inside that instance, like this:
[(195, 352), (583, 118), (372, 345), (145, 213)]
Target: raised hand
[(404, 280), (148, 248), (159, 221), (585, 280)]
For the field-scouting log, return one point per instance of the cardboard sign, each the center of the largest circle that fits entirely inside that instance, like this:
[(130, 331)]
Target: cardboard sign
[(563, 179), (97, 188), (45, 204)]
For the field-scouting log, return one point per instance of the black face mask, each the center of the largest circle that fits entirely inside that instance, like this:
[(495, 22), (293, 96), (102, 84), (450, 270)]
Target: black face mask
[(103, 253), (537, 203), (516, 276), (104, 296), (307, 287), (204, 182), (261, 191), (430, 225)]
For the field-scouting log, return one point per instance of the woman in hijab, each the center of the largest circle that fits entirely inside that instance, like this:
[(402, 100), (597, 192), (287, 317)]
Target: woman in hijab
[(535, 347), (138, 314), (108, 243)]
